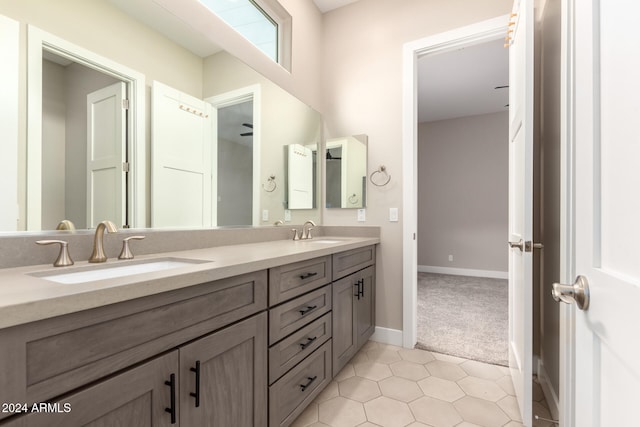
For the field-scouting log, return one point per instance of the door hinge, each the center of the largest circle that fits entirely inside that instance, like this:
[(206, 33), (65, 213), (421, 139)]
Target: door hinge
[(125, 167), (125, 104)]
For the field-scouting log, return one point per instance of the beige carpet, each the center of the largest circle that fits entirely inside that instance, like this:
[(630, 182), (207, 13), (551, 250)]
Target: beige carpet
[(464, 316)]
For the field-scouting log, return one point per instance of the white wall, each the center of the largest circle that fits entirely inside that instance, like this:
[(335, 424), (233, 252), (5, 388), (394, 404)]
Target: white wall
[(362, 86), (462, 192)]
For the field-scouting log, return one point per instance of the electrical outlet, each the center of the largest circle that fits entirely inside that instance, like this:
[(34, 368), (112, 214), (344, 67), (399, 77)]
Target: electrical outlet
[(287, 215), (450, 258), (362, 216), (265, 215)]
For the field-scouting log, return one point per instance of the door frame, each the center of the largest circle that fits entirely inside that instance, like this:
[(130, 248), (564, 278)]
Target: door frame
[(567, 212), (237, 96), (39, 40), (483, 31)]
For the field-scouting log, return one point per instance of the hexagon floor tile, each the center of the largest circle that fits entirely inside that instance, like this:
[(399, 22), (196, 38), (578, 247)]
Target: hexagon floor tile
[(389, 386)]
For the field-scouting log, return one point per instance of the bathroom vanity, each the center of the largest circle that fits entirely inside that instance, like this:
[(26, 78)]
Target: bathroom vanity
[(248, 335)]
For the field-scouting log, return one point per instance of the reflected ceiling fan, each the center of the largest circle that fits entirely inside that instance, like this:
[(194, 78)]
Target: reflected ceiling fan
[(250, 126)]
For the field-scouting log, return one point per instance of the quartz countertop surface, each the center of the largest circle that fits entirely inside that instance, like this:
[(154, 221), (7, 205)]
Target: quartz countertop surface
[(26, 297)]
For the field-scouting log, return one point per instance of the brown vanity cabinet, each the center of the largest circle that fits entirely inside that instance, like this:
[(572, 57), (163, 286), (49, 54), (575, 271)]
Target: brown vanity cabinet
[(299, 336), (249, 350), (128, 361), (353, 306)]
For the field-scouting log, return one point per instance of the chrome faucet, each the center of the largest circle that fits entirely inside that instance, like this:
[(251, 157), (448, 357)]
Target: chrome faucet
[(306, 232), (98, 246)]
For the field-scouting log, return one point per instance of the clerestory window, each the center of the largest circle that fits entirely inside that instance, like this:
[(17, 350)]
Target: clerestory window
[(263, 22)]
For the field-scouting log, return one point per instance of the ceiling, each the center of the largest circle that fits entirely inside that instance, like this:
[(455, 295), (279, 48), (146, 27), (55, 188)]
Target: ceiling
[(327, 5), (462, 82)]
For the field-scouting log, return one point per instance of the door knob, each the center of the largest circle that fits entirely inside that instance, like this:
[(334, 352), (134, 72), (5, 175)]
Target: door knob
[(519, 244), (577, 293), (525, 246)]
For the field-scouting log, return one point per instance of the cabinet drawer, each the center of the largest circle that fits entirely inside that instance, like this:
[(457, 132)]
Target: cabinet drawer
[(345, 263), (63, 353), (289, 396), (289, 281), (293, 315), (291, 350)]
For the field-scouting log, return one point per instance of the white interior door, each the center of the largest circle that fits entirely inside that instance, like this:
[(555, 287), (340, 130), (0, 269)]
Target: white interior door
[(106, 153), (521, 205), (606, 108), (181, 159)]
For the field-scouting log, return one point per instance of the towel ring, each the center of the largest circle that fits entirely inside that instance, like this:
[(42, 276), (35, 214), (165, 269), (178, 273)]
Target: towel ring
[(382, 170), (271, 184), (353, 199)]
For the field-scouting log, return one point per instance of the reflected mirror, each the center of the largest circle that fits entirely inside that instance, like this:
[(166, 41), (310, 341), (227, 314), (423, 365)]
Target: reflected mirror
[(242, 175), (346, 172)]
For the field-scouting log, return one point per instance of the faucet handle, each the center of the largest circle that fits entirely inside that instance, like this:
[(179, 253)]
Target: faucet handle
[(296, 236), (308, 235), (126, 251), (63, 259)]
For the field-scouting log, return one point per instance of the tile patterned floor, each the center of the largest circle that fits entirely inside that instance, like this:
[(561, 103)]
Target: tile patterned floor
[(390, 386)]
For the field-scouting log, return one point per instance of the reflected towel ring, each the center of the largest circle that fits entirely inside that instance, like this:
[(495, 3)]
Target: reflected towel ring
[(382, 170), (353, 199), (271, 184)]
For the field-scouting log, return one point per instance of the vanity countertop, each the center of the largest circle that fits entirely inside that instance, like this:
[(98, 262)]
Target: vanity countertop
[(25, 297)]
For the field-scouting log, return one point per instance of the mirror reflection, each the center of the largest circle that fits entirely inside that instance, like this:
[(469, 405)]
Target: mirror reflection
[(98, 158), (346, 172)]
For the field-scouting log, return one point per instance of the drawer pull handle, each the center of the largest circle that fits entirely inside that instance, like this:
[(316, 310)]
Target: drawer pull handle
[(307, 275), (172, 409), (304, 345), (308, 310), (303, 387), (197, 393)]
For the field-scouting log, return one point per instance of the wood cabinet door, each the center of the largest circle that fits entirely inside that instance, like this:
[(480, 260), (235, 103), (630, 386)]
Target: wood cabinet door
[(344, 318), (366, 303), (223, 377), (137, 397)]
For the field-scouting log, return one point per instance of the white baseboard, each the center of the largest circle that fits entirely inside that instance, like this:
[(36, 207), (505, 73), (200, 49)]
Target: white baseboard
[(492, 274), (552, 399), (387, 336)]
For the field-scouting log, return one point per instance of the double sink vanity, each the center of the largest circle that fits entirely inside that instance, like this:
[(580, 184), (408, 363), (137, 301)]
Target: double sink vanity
[(235, 335)]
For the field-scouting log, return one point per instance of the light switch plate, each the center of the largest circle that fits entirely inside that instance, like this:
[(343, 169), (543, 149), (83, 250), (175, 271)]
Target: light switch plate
[(287, 215), (265, 215), (393, 214), (362, 216)]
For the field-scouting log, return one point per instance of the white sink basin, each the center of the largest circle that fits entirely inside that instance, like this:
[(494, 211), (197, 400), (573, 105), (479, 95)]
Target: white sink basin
[(110, 271), (325, 241)]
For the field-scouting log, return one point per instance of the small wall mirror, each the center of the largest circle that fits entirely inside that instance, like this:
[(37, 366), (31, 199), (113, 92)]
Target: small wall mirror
[(300, 164), (346, 172)]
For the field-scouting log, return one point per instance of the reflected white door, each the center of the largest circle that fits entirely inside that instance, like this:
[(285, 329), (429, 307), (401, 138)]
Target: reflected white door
[(181, 159), (106, 151), (606, 106), (521, 205)]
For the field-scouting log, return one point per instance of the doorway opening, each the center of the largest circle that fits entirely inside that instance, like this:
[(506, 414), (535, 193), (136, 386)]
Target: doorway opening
[(238, 120), (84, 145), (463, 126), (235, 164), (121, 180)]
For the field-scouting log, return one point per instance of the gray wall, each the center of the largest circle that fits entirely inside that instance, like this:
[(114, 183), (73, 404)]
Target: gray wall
[(550, 185), (235, 183), (462, 192)]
